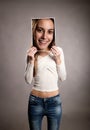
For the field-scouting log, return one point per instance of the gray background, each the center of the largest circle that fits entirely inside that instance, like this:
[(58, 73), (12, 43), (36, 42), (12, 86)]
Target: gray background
[(72, 34)]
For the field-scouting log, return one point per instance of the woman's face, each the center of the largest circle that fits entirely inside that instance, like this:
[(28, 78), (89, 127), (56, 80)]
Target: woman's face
[(44, 32)]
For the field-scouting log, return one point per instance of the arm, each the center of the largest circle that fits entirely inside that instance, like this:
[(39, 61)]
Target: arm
[(30, 65), (60, 62), (29, 73), (61, 69)]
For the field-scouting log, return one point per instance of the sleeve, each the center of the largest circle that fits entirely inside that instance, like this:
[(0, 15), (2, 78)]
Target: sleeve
[(29, 73), (61, 69)]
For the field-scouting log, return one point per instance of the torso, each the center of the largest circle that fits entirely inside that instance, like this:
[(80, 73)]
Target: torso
[(44, 94)]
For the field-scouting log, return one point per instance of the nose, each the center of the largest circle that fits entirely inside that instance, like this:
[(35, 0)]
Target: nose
[(44, 35)]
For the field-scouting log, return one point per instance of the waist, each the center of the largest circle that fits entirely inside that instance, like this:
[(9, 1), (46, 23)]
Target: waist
[(44, 94)]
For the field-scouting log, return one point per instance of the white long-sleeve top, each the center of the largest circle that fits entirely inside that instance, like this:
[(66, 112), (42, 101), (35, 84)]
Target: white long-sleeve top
[(48, 73)]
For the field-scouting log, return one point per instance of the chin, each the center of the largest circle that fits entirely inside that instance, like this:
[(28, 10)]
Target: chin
[(42, 47)]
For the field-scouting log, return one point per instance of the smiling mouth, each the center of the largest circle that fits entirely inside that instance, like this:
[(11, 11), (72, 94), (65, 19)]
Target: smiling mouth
[(43, 41)]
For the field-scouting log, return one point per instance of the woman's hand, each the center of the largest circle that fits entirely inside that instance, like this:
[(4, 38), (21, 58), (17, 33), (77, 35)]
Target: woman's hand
[(30, 54), (56, 53)]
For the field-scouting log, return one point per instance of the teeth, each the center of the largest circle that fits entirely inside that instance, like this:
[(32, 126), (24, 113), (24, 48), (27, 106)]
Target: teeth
[(42, 41)]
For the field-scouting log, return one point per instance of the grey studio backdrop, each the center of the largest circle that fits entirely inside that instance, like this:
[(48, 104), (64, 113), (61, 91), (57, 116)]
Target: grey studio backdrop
[(72, 34)]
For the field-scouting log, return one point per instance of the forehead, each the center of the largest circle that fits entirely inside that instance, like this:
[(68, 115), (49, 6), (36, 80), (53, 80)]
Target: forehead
[(46, 23)]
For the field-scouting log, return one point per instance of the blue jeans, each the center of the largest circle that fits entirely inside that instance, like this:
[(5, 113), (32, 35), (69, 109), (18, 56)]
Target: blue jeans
[(40, 107)]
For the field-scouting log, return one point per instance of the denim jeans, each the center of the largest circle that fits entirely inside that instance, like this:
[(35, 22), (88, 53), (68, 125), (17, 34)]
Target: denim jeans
[(40, 107)]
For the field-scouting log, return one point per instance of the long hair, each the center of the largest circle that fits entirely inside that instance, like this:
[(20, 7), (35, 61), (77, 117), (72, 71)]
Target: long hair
[(34, 26)]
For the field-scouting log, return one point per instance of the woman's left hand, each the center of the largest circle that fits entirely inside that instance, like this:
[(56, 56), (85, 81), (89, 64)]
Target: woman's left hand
[(56, 53)]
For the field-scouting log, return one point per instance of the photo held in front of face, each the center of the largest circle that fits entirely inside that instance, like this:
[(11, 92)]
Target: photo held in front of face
[(44, 34), (45, 66)]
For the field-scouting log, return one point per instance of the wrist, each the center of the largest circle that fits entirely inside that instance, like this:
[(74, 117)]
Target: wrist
[(31, 61), (58, 62)]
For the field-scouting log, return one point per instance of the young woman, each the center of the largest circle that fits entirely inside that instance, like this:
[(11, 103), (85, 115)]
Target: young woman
[(45, 66)]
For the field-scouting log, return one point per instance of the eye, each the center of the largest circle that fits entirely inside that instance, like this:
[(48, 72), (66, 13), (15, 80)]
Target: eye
[(39, 29), (50, 31)]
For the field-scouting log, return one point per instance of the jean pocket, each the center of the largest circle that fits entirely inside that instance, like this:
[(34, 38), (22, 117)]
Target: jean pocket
[(33, 100), (56, 101)]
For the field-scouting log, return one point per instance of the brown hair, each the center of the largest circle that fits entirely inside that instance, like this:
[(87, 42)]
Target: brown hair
[(34, 26)]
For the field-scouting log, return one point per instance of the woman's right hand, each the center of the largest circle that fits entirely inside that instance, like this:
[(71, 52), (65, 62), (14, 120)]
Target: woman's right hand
[(30, 54)]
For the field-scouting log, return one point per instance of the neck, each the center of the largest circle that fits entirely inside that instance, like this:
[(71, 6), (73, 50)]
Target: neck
[(43, 52)]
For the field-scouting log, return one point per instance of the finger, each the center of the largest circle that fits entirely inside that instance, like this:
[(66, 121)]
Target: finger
[(55, 48), (53, 51), (32, 49), (32, 52)]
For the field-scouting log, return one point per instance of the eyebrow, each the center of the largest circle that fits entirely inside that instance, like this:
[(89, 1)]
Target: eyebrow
[(43, 28)]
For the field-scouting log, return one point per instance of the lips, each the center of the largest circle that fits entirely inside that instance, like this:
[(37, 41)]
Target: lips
[(41, 41)]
